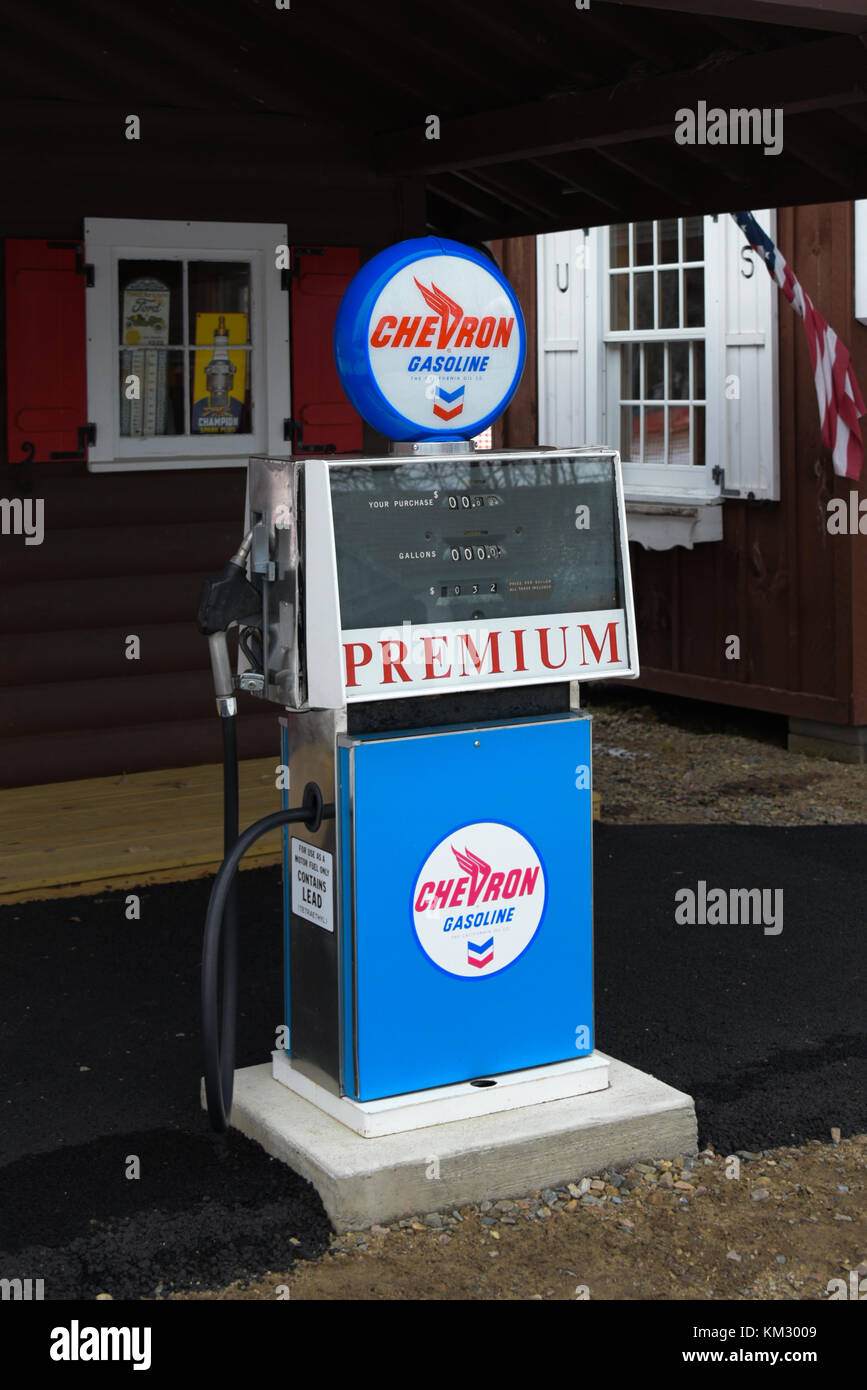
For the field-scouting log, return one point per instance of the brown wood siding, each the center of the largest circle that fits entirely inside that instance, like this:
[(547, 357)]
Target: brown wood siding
[(795, 595), (123, 554), (520, 424), (126, 553)]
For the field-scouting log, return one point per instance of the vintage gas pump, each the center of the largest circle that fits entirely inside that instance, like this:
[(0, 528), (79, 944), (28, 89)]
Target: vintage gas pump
[(424, 619)]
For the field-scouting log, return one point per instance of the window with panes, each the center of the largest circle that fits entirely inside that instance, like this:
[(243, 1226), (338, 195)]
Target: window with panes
[(656, 336)]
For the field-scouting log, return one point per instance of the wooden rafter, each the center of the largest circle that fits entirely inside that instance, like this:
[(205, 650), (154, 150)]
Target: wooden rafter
[(810, 76)]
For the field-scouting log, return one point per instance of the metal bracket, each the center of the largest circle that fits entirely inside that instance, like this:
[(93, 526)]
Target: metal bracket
[(81, 266), (86, 436), (719, 476), (260, 553), (292, 431)]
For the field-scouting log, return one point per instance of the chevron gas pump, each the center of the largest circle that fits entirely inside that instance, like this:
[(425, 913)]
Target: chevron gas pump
[(424, 619)]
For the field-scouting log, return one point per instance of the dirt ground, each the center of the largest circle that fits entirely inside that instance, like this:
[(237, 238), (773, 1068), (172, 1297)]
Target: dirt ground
[(668, 761), (783, 1226), (777, 1226)]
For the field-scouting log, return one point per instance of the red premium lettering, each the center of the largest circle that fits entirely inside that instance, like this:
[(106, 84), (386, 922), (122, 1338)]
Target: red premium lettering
[(353, 662), (492, 645), (543, 649), (609, 635), (393, 663), (430, 656)]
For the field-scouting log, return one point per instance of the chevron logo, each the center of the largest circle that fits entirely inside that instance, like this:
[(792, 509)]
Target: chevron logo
[(480, 955), (448, 397)]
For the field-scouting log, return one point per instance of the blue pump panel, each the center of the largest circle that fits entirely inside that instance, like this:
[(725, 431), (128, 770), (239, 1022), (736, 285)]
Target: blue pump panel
[(465, 858)]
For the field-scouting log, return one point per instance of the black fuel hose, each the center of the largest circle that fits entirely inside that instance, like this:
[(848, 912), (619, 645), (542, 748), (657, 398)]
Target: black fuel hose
[(219, 1044)]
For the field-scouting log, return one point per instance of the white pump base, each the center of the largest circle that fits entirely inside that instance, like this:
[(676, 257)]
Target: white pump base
[(364, 1180), (464, 1101)]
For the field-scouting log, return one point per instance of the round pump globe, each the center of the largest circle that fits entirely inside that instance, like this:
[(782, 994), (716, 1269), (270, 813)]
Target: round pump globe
[(430, 341)]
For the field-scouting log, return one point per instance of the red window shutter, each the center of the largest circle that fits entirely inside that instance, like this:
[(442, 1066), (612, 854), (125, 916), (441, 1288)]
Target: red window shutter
[(320, 276), (46, 350)]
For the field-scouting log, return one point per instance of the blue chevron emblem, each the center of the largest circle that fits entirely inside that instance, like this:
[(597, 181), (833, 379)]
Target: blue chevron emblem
[(449, 396)]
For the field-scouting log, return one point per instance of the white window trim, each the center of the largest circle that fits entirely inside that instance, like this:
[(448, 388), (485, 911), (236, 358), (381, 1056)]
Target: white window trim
[(108, 240), (861, 260), (672, 482)]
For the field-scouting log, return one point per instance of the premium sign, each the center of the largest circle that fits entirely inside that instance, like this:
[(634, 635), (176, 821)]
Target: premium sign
[(430, 341), (452, 656)]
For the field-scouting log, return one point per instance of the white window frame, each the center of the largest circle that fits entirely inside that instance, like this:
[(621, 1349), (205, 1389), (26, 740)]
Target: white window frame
[(110, 240), (670, 481), (861, 260)]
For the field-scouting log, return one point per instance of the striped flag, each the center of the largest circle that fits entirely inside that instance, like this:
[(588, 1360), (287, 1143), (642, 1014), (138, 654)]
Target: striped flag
[(840, 401)]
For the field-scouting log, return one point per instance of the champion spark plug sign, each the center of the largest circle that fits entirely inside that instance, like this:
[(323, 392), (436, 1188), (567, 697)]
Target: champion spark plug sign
[(430, 341), (479, 899)]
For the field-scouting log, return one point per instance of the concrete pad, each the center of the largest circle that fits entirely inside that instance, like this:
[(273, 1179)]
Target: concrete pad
[(363, 1180), (444, 1104)]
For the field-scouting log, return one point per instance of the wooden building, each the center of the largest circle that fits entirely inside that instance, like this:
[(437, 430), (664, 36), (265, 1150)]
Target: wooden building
[(157, 164), (748, 591)]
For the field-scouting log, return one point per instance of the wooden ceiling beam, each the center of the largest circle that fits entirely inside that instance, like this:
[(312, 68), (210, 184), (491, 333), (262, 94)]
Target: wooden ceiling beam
[(819, 152), (471, 199), (810, 76), (646, 171), (567, 184), (520, 187), (842, 15)]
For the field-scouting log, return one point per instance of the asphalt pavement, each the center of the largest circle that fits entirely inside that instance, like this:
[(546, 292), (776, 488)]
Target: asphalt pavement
[(766, 1028)]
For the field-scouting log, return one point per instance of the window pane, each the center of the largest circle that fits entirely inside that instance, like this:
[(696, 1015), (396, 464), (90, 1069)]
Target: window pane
[(643, 233), (630, 432), (698, 430), (668, 249), (151, 388), (654, 383), (678, 434), (669, 304), (220, 383), (150, 302), (654, 435), (698, 370), (678, 371), (620, 244), (693, 288), (619, 302), (630, 372), (643, 299), (218, 287), (693, 239)]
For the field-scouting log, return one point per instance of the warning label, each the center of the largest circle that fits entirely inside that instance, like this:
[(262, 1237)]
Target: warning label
[(312, 879)]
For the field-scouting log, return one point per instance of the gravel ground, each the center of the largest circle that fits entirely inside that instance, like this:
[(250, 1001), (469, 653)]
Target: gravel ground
[(680, 762), (776, 1225), (208, 1209)]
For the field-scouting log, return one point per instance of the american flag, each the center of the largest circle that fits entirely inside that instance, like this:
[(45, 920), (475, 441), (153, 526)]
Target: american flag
[(840, 401)]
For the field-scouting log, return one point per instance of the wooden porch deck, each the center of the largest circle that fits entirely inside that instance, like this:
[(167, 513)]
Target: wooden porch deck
[(68, 838)]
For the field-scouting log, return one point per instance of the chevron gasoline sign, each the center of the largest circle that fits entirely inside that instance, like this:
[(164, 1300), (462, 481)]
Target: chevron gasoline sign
[(478, 899), (430, 341)]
